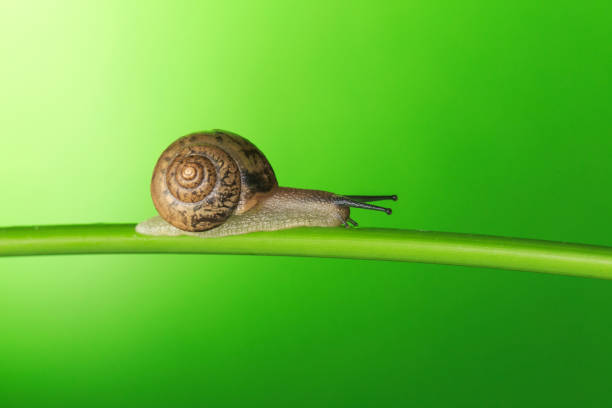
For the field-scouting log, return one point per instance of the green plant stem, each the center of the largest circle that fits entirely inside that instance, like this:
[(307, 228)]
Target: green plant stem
[(362, 243)]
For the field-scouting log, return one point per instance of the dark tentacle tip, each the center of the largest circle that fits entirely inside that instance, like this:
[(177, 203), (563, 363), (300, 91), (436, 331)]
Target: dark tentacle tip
[(394, 197), (388, 211)]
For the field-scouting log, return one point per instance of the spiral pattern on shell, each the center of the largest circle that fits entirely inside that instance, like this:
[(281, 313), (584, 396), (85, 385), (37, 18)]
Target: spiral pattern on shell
[(202, 179)]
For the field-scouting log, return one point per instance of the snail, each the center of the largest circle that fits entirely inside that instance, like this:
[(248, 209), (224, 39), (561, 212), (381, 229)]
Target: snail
[(216, 183)]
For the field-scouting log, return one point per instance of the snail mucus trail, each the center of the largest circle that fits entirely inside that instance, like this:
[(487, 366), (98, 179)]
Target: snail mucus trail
[(216, 183)]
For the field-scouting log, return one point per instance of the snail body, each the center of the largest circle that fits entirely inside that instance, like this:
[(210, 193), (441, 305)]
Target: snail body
[(213, 184)]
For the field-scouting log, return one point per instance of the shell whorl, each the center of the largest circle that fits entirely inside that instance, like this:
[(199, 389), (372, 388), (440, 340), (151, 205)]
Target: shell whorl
[(203, 178)]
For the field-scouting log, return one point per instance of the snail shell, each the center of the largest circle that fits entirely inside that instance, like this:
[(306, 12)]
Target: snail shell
[(201, 179)]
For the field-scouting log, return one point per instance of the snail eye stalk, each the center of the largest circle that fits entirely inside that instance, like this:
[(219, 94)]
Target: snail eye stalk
[(361, 202)]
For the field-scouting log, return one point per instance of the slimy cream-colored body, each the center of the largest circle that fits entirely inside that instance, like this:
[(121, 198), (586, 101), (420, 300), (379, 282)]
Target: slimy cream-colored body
[(284, 208)]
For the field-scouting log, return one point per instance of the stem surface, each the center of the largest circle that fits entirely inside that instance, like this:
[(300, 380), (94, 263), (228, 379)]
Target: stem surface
[(363, 243)]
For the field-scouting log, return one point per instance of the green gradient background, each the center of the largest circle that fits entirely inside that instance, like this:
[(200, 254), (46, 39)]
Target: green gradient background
[(484, 117)]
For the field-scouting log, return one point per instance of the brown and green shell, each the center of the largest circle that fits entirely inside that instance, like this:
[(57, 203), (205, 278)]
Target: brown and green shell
[(203, 178)]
